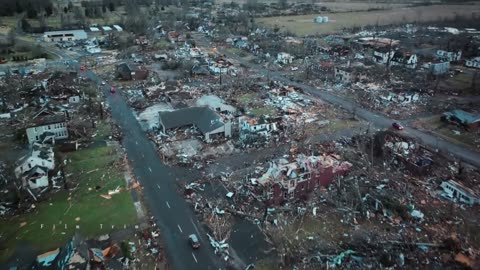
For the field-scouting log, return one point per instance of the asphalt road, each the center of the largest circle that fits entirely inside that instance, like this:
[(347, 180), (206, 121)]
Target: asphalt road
[(172, 214), (378, 120)]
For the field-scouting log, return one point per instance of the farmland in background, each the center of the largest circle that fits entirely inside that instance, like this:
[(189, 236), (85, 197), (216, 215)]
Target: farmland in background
[(303, 24)]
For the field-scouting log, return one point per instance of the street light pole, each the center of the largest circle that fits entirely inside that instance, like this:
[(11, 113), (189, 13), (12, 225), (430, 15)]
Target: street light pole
[(220, 76)]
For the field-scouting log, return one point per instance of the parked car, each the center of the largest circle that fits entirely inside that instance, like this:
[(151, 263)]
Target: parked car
[(193, 240), (112, 90), (397, 126), (83, 68), (103, 82)]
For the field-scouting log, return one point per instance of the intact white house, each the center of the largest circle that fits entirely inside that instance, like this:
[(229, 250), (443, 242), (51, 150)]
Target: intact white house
[(449, 56), (404, 97), (473, 63), (67, 35), (48, 129), (284, 58), (33, 168)]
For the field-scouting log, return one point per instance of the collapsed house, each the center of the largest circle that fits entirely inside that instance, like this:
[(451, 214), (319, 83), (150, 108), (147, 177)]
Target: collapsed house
[(208, 122), (48, 129), (32, 169), (174, 37), (404, 59), (241, 43), (344, 74), (287, 180), (221, 66), (284, 58), (402, 97), (255, 126), (382, 55), (405, 151), (130, 72)]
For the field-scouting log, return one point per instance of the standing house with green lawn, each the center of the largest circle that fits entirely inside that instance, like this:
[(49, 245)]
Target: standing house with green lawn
[(80, 209)]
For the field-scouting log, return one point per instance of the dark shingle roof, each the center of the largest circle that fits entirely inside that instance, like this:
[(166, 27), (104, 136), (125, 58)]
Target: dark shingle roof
[(204, 118), (47, 120)]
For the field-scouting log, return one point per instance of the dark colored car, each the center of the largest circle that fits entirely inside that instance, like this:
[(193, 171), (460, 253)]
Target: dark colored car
[(193, 240), (397, 126)]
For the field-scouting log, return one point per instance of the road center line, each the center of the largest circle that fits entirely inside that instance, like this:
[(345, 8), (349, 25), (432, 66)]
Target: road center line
[(150, 169), (180, 228), (195, 258), (195, 226), (158, 186), (168, 205)]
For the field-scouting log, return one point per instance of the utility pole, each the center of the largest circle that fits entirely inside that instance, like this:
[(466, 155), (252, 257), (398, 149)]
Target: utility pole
[(220, 76)]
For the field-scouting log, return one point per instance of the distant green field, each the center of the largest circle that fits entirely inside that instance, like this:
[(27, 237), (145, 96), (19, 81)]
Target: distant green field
[(304, 24)]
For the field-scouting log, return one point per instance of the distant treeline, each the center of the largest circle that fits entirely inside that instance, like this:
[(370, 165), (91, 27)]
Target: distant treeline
[(31, 7)]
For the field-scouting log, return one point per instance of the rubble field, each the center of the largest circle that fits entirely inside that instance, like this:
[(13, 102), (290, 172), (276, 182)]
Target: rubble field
[(381, 213)]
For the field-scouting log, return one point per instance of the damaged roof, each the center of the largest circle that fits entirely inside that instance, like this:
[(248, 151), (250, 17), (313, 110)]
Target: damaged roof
[(47, 120), (202, 117)]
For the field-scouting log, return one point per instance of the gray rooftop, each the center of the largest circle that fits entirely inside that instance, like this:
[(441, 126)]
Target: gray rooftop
[(463, 116), (204, 118), (80, 34)]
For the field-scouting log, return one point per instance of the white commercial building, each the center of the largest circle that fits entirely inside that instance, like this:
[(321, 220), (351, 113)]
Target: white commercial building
[(67, 35)]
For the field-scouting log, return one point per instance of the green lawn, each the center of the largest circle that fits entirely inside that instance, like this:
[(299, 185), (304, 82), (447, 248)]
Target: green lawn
[(446, 131), (461, 83), (55, 221), (339, 124), (266, 110), (246, 98), (265, 265), (104, 130)]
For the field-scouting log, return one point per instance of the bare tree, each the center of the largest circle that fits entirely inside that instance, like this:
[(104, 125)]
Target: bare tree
[(475, 77), (79, 15), (11, 36)]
